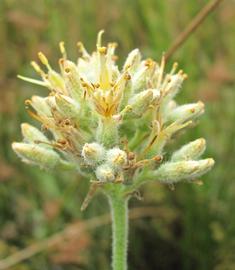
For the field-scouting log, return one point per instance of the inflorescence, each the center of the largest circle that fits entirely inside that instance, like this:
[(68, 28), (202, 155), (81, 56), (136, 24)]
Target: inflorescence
[(111, 125)]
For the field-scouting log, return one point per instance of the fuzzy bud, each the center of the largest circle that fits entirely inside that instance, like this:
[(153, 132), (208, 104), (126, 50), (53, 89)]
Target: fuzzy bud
[(187, 112), (32, 134), (140, 102), (72, 80), (190, 151), (167, 110), (67, 106), (141, 75), (93, 153), (105, 173), (173, 172), (173, 86), (116, 157), (37, 155), (56, 81), (132, 61), (40, 105)]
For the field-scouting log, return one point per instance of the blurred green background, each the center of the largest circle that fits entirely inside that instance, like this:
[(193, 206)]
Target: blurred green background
[(193, 226)]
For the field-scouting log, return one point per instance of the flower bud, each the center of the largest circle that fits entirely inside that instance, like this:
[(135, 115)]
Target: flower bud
[(167, 109), (56, 81), (190, 151), (164, 136), (173, 172), (72, 80), (93, 153), (186, 112), (105, 173), (173, 86), (40, 105), (67, 106), (32, 134), (127, 92), (140, 102), (37, 155), (43, 59), (132, 61), (116, 158), (141, 76)]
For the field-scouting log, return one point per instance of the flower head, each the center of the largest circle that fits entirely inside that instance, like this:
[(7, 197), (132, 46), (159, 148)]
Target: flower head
[(111, 124)]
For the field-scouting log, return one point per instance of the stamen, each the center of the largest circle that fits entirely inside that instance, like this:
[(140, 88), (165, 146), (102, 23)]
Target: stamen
[(27, 102), (61, 64), (44, 60), (35, 116), (33, 81), (62, 49), (162, 66), (82, 50), (121, 82), (102, 50), (37, 68), (103, 69), (181, 72), (88, 86), (99, 38), (112, 46), (174, 67)]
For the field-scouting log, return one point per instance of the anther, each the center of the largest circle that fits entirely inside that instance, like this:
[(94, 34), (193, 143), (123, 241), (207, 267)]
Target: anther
[(99, 38), (44, 60), (131, 155), (127, 76), (62, 141), (67, 70), (158, 158), (28, 102), (114, 58), (37, 68), (181, 72), (62, 49), (102, 50), (192, 110)]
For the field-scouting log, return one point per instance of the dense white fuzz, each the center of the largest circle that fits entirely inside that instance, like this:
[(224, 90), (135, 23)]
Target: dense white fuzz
[(37, 155), (40, 105), (67, 106), (186, 112), (116, 157), (93, 153), (140, 102), (132, 61), (190, 151), (31, 134), (173, 172), (105, 173)]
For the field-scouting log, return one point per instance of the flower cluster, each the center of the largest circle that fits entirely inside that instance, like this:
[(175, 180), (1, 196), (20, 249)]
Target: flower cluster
[(111, 125)]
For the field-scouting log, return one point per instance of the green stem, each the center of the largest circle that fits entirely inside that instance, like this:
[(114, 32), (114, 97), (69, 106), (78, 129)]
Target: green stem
[(107, 132), (119, 210)]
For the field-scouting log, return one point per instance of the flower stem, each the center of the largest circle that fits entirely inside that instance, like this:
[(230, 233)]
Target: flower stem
[(119, 211)]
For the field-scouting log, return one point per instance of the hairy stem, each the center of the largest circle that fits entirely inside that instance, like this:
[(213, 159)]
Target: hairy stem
[(119, 211), (107, 132)]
